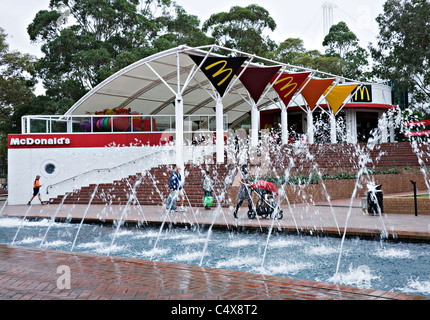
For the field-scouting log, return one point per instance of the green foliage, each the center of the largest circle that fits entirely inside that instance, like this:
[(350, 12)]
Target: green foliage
[(17, 82), (402, 53), (341, 42), (242, 28), (86, 41), (343, 56)]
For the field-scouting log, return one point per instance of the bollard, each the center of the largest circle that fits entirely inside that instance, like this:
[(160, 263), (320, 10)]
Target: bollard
[(415, 197)]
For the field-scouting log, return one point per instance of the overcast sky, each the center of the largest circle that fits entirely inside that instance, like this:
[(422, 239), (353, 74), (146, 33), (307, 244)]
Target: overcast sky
[(295, 19)]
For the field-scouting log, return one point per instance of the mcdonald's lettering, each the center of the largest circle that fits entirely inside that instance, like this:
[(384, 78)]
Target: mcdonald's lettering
[(363, 94), (220, 71), (290, 84)]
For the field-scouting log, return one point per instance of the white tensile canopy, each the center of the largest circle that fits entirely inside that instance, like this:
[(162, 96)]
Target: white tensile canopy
[(171, 82)]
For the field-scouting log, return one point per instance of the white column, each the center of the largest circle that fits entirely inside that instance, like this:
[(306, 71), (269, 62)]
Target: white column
[(284, 125), (351, 126), (179, 120), (391, 125), (383, 126), (310, 128), (255, 125), (333, 128), (219, 131)]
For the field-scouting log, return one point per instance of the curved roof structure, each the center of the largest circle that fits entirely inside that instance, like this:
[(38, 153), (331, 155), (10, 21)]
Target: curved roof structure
[(151, 85)]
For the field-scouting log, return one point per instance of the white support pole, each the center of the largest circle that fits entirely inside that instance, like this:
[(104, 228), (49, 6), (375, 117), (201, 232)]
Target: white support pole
[(391, 125), (219, 131), (310, 129), (179, 124), (383, 125), (333, 128), (284, 125), (351, 126), (255, 124), (28, 125)]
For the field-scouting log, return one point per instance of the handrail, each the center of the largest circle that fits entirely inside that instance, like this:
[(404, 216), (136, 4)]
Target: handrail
[(101, 169)]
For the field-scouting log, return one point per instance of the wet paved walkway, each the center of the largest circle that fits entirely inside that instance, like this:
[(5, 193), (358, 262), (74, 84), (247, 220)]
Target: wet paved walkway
[(30, 273)]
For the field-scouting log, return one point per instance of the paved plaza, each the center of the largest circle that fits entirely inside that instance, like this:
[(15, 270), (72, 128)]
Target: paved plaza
[(31, 273)]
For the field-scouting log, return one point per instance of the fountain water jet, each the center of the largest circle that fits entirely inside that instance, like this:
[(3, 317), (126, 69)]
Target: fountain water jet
[(84, 216), (20, 226), (53, 219), (126, 208)]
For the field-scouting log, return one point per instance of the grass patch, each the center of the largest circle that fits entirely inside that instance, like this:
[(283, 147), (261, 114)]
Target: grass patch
[(419, 196)]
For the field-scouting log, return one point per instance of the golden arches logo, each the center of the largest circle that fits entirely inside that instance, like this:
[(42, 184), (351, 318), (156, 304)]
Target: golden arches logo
[(362, 90), (220, 71), (268, 126), (290, 84)]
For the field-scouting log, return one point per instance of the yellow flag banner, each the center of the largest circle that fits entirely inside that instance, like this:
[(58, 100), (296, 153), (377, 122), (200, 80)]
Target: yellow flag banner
[(337, 95)]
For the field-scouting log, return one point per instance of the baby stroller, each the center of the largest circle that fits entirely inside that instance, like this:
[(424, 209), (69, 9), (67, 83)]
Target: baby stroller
[(266, 203)]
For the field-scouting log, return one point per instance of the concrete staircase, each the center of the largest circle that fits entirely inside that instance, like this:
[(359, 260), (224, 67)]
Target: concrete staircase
[(152, 187)]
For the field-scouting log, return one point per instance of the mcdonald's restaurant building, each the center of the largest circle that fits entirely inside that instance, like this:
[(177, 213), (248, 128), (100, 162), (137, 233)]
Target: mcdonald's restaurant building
[(355, 121), (180, 106)]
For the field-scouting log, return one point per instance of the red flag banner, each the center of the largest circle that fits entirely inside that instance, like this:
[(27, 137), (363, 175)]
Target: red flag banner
[(417, 133), (287, 85), (255, 79), (417, 123)]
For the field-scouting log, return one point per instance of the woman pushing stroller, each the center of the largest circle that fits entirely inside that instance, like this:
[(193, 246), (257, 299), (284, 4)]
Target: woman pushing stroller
[(266, 194), (244, 190)]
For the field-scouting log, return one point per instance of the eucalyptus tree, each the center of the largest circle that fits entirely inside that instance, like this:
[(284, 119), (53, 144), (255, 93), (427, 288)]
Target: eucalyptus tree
[(402, 53), (86, 41), (243, 29), (17, 84), (341, 42)]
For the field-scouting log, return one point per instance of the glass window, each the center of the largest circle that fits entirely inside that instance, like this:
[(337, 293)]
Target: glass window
[(50, 168), (199, 123)]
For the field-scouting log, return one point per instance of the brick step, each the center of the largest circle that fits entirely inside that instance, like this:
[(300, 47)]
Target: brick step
[(125, 201), (147, 192)]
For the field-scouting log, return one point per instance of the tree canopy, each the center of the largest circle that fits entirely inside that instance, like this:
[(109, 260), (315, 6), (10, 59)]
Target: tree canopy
[(402, 53), (86, 41), (17, 82), (342, 43), (242, 28)]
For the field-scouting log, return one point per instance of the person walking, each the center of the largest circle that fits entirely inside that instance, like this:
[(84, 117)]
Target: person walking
[(175, 185), (244, 190), (36, 190)]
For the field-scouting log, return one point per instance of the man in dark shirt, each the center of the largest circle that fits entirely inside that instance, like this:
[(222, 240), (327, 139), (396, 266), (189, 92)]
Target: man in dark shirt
[(36, 190), (176, 186)]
